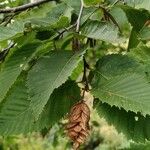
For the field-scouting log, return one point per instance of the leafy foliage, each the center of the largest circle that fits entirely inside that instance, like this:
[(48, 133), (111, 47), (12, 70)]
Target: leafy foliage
[(144, 33), (56, 46), (14, 64), (26, 22), (8, 32), (134, 126), (16, 115), (41, 87), (137, 18), (94, 2), (58, 104), (141, 53), (117, 83), (138, 3), (101, 31)]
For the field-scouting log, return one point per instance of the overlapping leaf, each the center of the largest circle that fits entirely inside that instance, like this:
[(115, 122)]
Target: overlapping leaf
[(58, 104), (75, 7), (120, 17), (39, 17), (13, 66), (136, 17), (15, 115), (94, 2), (36, 12), (101, 31), (133, 39), (134, 126), (144, 33), (49, 73), (77, 71), (120, 81), (142, 54), (139, 4), (11, 31)]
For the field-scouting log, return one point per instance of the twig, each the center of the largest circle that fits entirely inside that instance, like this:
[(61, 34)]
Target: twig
[(76, 45), (5, 51), (79, 17), (65, 30), (111, 17), (84, 78), (9, 20), (24, 7)]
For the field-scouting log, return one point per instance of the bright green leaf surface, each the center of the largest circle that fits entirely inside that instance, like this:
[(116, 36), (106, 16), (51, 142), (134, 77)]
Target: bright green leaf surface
[(11, 31), (59, 104), (121, 81), (49, 73), (144, 33), (93, 2), (141, 53), (15, 115), (136, 17), (13, 66), (101, 31), (139, 4), (135, 127)]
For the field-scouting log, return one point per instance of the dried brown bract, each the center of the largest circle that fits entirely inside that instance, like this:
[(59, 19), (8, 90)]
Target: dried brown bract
[(78, 125)]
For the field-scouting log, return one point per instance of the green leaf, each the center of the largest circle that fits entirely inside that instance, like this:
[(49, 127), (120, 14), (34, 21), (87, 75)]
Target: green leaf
[(134, 126), (121, 81), (93, 2), (11, 31), (47, 14), (77, 71), (116, 64), (141, 54), (75, 5), (101, 31), (61, 23), (14, 65), (133, 40), (51, 18), (49, 73), (36, 12), (139, 4), (75, 8), (120, 17), (136, 17), (144, 33), (57, 12), (28, 21), (143, 4), (59, 104), (15, 115)]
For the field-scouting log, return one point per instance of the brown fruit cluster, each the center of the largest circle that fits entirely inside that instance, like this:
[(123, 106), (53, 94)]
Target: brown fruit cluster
[(78, 125)]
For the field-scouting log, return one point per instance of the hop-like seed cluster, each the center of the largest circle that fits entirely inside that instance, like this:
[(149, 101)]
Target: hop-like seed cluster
[(78, 125)]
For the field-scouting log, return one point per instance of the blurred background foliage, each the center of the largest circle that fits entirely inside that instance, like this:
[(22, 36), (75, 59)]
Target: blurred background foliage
[(102, 136)]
